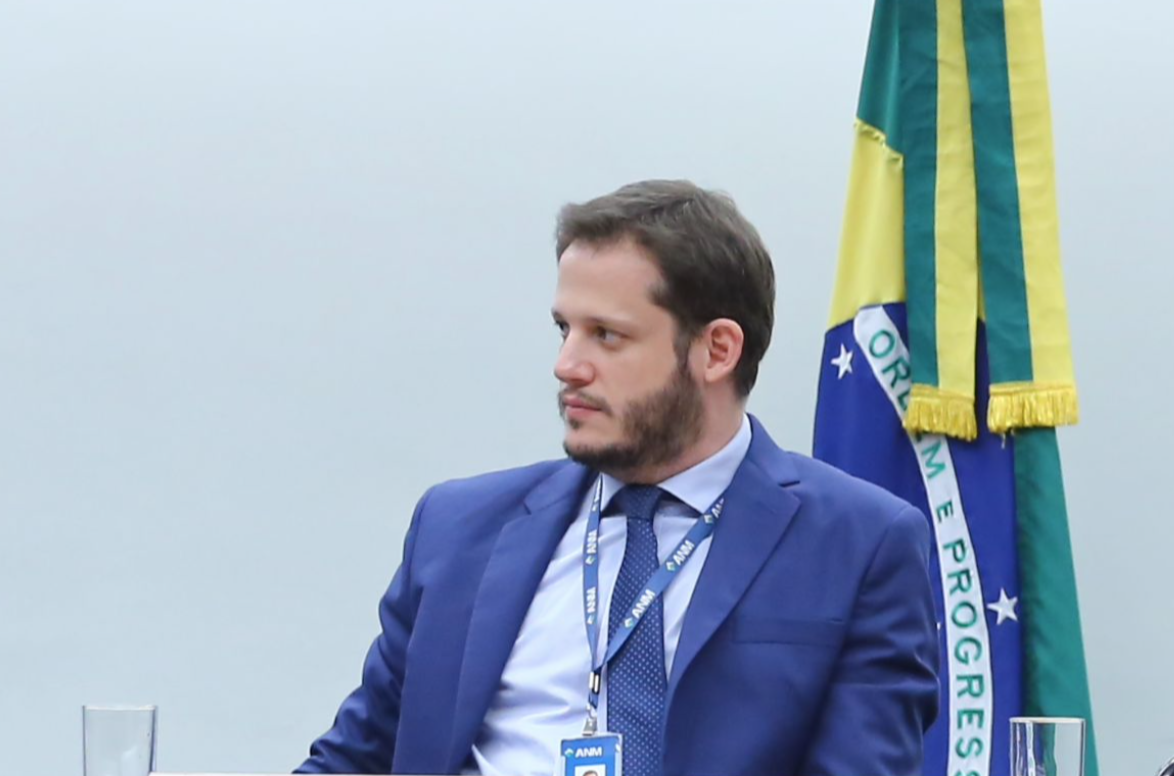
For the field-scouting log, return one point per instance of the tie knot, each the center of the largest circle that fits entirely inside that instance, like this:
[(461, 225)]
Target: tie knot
[(638, 501)]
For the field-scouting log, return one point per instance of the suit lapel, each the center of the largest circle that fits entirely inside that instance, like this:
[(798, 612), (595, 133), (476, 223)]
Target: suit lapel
[(518, 561), (755, 516)]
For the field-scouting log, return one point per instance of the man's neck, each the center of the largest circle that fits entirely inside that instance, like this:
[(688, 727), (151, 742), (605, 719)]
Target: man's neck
[(716, 435)]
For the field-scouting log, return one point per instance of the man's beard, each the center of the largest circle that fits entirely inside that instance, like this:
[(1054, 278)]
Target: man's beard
[(656, 429)]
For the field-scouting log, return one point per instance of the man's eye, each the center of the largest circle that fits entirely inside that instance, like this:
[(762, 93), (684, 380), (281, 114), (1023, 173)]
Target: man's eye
[(562, 328), (606, 336)]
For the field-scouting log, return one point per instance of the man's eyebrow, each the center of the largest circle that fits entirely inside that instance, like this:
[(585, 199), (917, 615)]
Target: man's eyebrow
[(596, 320)]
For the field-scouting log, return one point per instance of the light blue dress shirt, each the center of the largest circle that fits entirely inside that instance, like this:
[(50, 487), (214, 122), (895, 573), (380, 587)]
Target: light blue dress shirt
[(542, 697)]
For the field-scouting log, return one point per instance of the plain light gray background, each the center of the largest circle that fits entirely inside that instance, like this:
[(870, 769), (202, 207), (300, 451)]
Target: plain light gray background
[(270, 269)]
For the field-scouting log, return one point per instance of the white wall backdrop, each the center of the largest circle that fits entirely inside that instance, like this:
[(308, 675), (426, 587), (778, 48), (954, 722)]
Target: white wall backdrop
[(270, 269)]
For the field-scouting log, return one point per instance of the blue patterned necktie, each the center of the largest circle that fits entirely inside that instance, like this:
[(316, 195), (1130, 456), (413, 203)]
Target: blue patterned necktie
[(636, 683)]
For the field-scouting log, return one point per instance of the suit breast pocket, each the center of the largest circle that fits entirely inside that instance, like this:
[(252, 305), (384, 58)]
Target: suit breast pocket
[(760, 629)]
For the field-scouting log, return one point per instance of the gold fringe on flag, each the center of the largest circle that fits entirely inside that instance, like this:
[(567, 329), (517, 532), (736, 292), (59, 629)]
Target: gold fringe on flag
[(934, 411), (1029, 405)]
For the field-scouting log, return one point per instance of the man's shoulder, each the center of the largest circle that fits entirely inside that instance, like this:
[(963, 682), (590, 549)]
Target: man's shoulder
[(504, 486), (847, 501), (826, 493), (842, 515), (839, 484)]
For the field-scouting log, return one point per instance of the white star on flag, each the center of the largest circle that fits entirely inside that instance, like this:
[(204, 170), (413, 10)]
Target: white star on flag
[(1004, 607), (843, 362)]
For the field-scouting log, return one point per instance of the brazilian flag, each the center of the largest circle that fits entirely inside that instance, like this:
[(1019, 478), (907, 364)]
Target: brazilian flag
[(947, 363)]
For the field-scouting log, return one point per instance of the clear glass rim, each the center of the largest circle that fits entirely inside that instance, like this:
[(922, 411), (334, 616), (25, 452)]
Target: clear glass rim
[(1047, 720), (88, 707)]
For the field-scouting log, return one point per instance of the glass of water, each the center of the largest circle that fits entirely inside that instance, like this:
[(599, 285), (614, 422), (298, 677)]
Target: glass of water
[(1047, 746), (118, 740)]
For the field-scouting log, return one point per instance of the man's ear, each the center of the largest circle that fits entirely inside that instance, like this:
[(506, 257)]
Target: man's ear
[(721, 343)]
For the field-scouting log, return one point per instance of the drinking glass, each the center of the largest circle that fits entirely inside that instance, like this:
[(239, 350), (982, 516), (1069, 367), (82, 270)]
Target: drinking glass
[(118, 740), (1047, 746)]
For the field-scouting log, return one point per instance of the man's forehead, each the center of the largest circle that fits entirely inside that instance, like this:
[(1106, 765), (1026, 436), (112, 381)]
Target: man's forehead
[(621, 300), (613, 273)]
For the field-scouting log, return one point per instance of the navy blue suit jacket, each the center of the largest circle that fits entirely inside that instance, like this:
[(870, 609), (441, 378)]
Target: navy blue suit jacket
[(809, 646)]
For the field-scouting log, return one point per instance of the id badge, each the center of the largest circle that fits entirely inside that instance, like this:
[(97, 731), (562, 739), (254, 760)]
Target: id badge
[(598, 755)]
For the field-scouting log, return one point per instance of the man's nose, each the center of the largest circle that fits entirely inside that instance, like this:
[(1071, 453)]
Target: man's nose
[(571, 368)]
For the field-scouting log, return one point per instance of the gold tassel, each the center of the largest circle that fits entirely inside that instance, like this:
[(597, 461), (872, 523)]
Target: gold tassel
[(1031, 405), (934, 411)]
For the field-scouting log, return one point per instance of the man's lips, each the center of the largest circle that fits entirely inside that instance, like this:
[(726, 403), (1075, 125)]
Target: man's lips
[(578, 407)]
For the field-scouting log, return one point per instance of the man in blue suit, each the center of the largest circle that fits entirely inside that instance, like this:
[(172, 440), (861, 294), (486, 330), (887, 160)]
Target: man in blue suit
[(726, 606)]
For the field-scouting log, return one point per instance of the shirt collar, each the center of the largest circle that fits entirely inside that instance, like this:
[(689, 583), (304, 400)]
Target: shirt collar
[(701, 485)]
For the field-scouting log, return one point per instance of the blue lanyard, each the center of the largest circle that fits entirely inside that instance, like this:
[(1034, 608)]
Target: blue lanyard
[(653, 588)]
